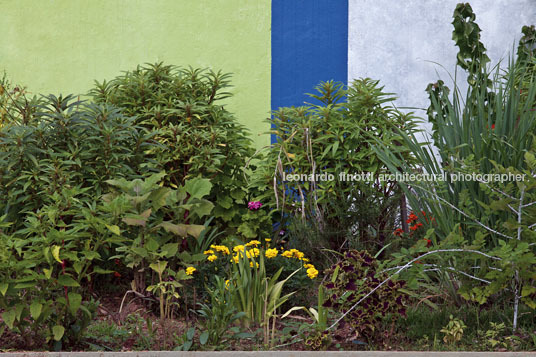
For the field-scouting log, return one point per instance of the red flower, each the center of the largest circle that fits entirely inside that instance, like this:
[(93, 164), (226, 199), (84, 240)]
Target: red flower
[(492, 126), (428, 242), (117, 262), (412, 218), (398, 232), (117, 275), (413, 228)]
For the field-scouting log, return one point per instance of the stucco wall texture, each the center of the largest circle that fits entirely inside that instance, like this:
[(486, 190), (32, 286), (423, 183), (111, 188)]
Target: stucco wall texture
[(397, 41), (62, 46)]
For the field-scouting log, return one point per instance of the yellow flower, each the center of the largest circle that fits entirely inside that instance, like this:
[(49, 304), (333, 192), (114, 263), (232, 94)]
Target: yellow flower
[(190, 270), (307, 266), (293, 253), (306, 260), (235, 259), (208, 252), (227, 282), (212, 258), (312, 273), (271, 253), (251, 264), (287, 254), (238, 248), (252, 253), (221, 248), (268, 240), (253, 243)]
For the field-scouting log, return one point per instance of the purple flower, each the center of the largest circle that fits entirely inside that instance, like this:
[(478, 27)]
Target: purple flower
[(254, 205), (281, 232)]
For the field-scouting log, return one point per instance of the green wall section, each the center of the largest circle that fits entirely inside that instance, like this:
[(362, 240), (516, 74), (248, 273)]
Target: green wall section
[(62, 46)]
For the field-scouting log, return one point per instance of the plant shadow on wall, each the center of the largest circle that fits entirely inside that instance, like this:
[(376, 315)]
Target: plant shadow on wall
[(336, 137)]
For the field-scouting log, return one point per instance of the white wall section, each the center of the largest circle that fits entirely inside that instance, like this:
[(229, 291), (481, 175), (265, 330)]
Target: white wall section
[(392, 40)]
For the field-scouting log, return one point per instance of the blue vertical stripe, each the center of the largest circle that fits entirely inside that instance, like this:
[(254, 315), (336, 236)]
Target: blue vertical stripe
[(309, 45)]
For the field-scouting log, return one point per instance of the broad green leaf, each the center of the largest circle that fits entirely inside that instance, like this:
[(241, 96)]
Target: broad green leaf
[(199, 207), (75, 300), (9, 318), (48, 273), (58, 332), (114, 229), (142, 252), (159, 266), (137, 219), (190, 333), (25, 285), (203, 338), (35, 310), (178, 229), (527, 290), (151, 245), (66, 280), (170, 249), (159, 197), (198, 187), (78, 267), (3, 288), (56, 253), (195, 230)]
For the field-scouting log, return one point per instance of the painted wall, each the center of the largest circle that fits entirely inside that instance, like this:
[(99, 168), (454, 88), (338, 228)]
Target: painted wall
[(62, 46), (393, 40), (309, 45)]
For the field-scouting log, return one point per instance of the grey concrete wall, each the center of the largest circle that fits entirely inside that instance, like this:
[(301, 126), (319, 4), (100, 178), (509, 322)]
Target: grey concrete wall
[(392, 40)]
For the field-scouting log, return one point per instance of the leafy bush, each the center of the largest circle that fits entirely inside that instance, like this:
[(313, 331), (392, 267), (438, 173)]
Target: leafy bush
[(219, 317), (65, 144), (45, 267), (483, 234), (148, 220), (197, 136), (57, 154), (329, 138), (356, 287)]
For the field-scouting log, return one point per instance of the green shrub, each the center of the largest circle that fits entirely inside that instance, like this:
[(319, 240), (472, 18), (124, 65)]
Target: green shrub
[(197, 136), (65, 144), (334, 136), (57, 154)]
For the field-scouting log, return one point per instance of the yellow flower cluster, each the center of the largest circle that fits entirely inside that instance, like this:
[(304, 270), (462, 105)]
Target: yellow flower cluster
[(220, 248), (312, 272), (212, 257), (239, 248), (271, 253), (190, 270), (251, 251), (293, 253)]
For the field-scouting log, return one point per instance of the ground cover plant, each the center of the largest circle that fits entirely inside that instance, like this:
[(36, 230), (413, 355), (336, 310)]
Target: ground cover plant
[(139, 218)]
